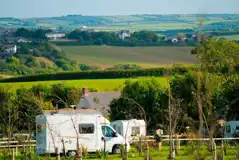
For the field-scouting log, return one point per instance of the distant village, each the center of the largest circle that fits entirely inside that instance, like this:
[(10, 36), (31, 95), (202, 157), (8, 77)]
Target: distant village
[(9, 41)]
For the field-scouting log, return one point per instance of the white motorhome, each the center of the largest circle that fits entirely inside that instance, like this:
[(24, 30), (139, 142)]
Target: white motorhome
[(130, 128), (231, 128), (60, 128)]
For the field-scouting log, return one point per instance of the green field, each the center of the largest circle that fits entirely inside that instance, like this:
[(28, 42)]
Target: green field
[(107, 56), (100, 84), (231, 37)]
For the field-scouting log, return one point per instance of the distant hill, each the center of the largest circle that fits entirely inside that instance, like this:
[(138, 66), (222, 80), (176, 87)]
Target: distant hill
[(131, 22)]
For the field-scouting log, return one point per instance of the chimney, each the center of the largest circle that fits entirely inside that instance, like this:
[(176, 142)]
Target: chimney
[(85, 91)]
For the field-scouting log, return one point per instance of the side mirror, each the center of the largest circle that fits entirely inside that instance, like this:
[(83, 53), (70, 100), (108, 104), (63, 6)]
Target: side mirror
[(102, 138), (115, 134)]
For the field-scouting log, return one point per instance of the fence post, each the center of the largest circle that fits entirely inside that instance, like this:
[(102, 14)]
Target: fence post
[(16, 150), (12, 155), (57, 154)]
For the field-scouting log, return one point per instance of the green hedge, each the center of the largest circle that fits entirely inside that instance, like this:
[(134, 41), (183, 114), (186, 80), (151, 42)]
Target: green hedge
[(156, 72)]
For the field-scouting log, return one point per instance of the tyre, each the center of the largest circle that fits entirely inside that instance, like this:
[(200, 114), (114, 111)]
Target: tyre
[(71, 153), (116, 149)]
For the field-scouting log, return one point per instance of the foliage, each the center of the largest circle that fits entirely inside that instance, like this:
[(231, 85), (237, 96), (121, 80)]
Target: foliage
[(143, 99), (218, 56), (35, 34), (35, 58), (125, 67), (157, 72)]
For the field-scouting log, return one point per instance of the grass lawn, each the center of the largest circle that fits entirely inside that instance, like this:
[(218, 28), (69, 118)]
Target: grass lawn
[(232, 37), (100, 84), (147, 57), (185, 153)]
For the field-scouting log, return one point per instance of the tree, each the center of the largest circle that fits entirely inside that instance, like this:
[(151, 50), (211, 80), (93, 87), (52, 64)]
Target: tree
[(147, 93), (218, 56)]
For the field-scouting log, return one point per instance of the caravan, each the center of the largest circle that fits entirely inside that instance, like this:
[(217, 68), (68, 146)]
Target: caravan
[(231, 129), (61, 129), (130, 128)]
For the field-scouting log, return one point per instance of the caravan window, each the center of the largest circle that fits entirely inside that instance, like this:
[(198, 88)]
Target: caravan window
[(86, 128), (135, 131), (228, 129), (237, 128)]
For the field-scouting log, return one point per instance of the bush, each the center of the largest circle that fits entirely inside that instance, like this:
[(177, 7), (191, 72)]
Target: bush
[(156, 72)]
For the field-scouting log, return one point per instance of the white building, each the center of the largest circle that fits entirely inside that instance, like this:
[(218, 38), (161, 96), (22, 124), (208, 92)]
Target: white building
[(123, 34), (9, 48), (55, 36)]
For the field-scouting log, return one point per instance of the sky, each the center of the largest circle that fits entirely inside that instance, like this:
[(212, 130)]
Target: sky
[(49, 8)]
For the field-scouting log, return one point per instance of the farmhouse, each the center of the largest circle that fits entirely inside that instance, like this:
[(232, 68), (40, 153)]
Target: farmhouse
[(123, 34), (97, 100), (55, 36), (9, 48), (23, 40)]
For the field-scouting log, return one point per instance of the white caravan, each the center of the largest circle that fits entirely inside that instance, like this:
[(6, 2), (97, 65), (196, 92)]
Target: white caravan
[(130, 128), (231, 128), (60, 128)]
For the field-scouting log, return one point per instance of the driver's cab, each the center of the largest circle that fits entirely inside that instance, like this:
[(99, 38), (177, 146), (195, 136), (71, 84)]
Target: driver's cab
[(112, 138)]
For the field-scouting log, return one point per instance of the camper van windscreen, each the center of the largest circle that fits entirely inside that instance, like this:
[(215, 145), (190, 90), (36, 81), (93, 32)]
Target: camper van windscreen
[(86, 128), (228, 129)]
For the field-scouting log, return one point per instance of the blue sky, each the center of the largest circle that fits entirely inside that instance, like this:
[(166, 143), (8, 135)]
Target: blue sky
[(47, 8)]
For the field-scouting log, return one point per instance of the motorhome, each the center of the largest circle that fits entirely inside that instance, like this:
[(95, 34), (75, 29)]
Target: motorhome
[(130, 128), (63, 127), (231, 129)]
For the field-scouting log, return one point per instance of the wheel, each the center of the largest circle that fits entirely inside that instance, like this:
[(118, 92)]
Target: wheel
[(71, 153), (116, 150)]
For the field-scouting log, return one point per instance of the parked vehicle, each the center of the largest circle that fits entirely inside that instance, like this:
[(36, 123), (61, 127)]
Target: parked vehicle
[(130, 128), (61, 129), (231, 129)]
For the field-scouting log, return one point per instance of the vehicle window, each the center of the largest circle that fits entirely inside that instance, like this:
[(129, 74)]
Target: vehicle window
[(135, 131), (228, 129), (237, 127), (107, 131), (86, 128)]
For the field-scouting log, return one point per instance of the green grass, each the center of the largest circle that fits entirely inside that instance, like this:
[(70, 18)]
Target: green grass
[(184, 153), (100, 84), (147, 57), (231, 37)]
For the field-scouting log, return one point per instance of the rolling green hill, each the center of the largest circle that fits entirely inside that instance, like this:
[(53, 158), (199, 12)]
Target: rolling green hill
[(130, 22), (107, 56)]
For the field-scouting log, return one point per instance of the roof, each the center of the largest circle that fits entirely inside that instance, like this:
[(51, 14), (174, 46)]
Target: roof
[(124, 31), (2, 54), (104, 99), (67, 111)]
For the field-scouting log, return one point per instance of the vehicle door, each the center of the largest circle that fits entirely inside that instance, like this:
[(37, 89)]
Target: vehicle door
[(110, 137)]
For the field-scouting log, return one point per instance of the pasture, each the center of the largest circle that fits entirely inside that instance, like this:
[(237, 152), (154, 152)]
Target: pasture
[(231, 37), (99, 84), (146, 57)]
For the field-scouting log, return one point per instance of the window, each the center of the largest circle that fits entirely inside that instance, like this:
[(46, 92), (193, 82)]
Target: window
[(228, 129), (86, 128), (107, 131), (237, 128), (135, 131)]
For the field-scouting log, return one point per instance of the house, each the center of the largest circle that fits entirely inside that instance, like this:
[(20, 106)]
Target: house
[(23, 40), (54, 36), (9, 48), (123, 34), (174, 40), (97, 100)]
